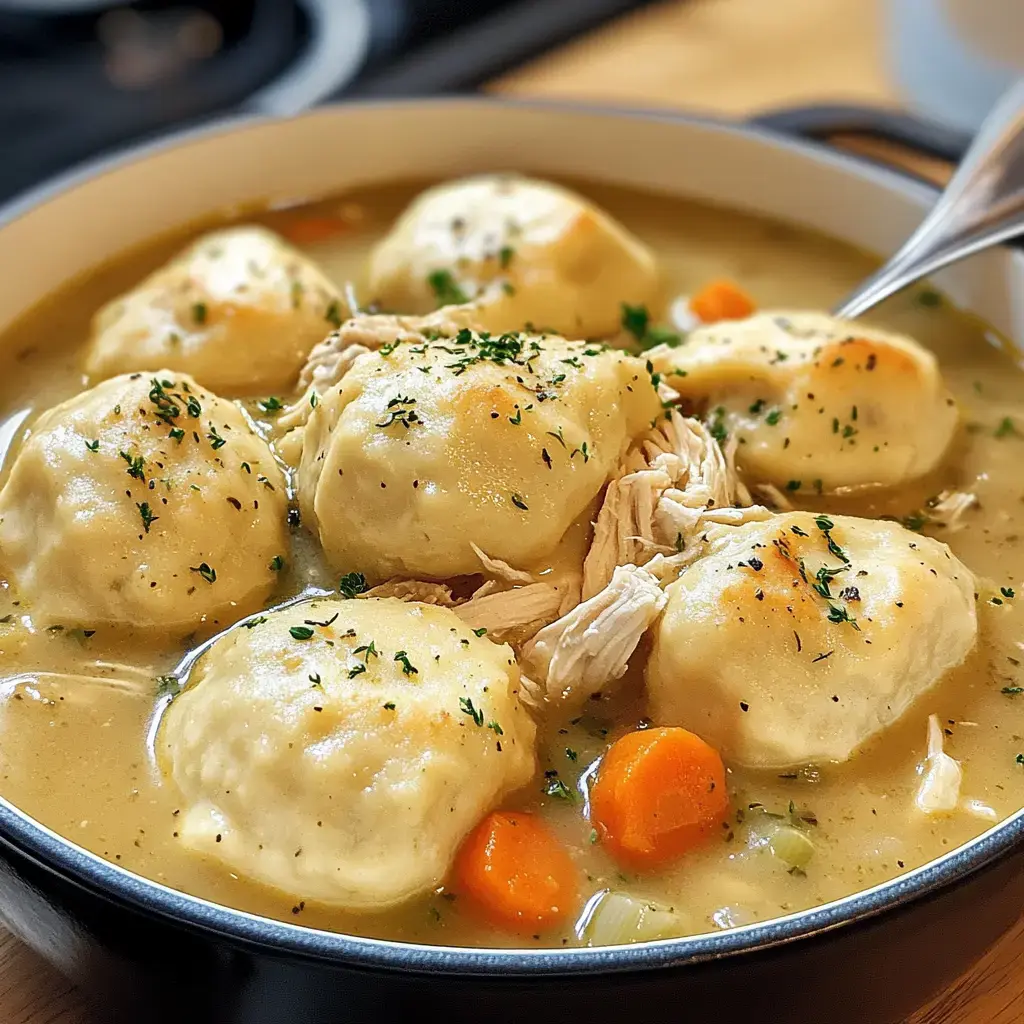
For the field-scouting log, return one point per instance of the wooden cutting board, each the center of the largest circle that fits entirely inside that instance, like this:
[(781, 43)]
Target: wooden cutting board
[(730, 57)]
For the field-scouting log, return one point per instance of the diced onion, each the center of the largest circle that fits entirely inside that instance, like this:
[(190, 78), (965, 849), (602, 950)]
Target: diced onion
[(615, 919), (791, 846)]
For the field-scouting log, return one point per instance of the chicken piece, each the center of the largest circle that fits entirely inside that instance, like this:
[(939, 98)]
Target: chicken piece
[(239, 310), (941, 776), (589, 648), (424, 450), (816, 403), (145, 502), (342, 750), (796, 639), (414, 590), (515, 615), (331, 359), (523, 254), (668, 482)]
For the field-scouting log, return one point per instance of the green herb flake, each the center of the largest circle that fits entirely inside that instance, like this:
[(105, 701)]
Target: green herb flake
[(93, 446), (517, 500), (389, 706), (333, 313), (216, 441), (301, 633), (136, 465), (480, 632), (352, 584), (446, 289), (929, 298), (1012, 691), (407, 667), (1006, 428), (773, 417), (467, 708), (635, 320), (148, 519), (271, 405), (559, 790), (505, 254), (277, 563), (209, 574), (168, 686), (199, 312)]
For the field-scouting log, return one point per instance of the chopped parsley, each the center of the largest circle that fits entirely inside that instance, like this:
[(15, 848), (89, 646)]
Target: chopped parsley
[(929, 298), (148, 519), (446, 289), (277, 563), (301, 633), (571, 754), (351, 584), (400, 411), (555, 787), (177, 434), (271, 405), (333, 313), (407, 667), (209, 574), (480, 632), (216, 441), (199, 312), (773, 417), (517, 500), (794, 485), (1007, 428), (505, 254), (1012, 691), (495, 728), (193, 408), (93, 446), (389, 706), (168, 686), (136, 465), (635, 320), (253, 623), (467, 708)]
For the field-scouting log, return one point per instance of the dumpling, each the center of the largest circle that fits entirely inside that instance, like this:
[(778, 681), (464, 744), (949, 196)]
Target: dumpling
[(525, 252), (814, 402), (239, 310), (423, 450), (340, 750), (796, 639), (147, 502)]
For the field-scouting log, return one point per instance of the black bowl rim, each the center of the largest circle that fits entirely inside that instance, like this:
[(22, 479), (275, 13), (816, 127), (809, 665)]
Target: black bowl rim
[(60, 856)]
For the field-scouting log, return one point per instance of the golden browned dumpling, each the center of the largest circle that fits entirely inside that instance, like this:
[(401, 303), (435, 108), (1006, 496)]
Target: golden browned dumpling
[(340, 750), (816, 402), (239, 310), (796, 639), (524, 252), (146, 501), (423, 450)]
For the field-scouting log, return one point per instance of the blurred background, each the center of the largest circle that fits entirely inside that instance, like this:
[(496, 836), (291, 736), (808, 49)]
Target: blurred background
[(82, 77)]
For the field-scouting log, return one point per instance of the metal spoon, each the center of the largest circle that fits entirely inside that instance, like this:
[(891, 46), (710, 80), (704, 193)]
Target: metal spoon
[(982, 205)]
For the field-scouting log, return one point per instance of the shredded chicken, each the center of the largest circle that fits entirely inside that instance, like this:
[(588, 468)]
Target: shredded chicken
[(500, 570), (775, 498), (589, 648), (669, 481), (414, 590), (948, 509), (326, 364), (939, 792), (513, 614)]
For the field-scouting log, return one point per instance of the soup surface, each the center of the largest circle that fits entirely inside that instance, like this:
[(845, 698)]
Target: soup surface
[(81, 709)]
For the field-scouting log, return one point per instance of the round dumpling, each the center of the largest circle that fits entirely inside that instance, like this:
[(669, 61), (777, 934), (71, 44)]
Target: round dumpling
[(239, 310), (146, 502), (527, 252), (796, 639), (339, 751), (816, 402), (423, 450)]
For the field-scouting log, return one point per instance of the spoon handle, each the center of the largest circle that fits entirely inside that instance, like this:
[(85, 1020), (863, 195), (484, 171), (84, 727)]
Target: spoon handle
[(982, 205)]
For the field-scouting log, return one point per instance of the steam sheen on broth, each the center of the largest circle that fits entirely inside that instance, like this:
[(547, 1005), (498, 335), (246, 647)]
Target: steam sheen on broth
[(80, 737)]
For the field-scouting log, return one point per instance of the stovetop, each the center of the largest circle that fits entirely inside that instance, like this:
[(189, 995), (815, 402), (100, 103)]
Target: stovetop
[(81, 77)]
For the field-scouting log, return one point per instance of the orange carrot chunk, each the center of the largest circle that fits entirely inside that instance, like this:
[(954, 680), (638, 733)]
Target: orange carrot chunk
[(515, 873), (721, 300), (659, 793), (311, 230)]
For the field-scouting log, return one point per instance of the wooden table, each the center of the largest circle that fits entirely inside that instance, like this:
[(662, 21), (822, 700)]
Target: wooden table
[(728, 57)]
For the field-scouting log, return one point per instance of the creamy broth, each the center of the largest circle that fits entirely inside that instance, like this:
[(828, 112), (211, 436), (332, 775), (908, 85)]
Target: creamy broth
[(76, 745)]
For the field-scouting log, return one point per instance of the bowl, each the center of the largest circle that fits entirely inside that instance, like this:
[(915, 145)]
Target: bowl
[(147, 952)]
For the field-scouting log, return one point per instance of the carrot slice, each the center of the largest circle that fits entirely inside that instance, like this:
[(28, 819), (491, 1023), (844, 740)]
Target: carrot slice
[(721, 300), (311, 230), (658, 794), (515, 873)]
